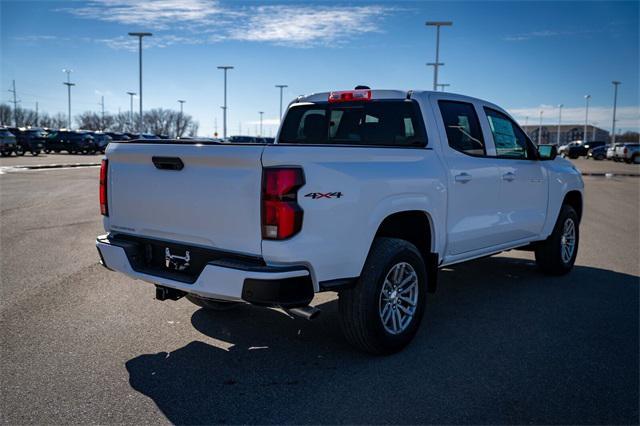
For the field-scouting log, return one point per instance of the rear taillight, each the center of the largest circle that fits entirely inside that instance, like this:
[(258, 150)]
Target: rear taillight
[(104, 204), (625, 150), (281, 214), (350, 96)]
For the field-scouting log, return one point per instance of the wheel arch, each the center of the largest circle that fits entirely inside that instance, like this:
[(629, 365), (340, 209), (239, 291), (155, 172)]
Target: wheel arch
[(574, 199), (416, 227)]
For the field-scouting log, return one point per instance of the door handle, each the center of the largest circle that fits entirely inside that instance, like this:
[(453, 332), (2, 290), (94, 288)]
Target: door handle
[(509, 177), (463, 177), (167, 163)]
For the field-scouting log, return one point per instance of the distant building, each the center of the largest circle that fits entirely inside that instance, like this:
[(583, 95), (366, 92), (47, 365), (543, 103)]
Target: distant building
[(568, 133)]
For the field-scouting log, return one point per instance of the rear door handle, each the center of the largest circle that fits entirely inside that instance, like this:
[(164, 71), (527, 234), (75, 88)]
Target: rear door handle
[(463, 177), (509, 177), (168, 163)]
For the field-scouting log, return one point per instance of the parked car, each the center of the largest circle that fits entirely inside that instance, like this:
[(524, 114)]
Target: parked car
[(117, 136), (628, 152), (70, 141), (598, 153), (611, 151), (365, 192), (31, 139), (8, 143), (617, 151), (101, 140), (246, 139), (573, 150), (582, 150)]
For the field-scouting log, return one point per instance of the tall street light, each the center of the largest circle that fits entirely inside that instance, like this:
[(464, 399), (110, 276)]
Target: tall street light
[(540, 128), (131, 95), (437, 63), (586, 118), (68, 83), (181, 101), (615, 105), (140, 37), (261, 113), (225, 68), (281, 87), (559, 123)]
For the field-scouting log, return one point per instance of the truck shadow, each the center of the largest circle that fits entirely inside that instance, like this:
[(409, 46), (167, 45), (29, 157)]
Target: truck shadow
[(500, 343)]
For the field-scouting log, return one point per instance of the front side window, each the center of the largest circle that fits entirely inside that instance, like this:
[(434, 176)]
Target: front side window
[(463, 128), (378, 123), (510, 140)]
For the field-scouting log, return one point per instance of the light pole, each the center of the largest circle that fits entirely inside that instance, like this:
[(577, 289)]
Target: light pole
[(442, 86), (540, 128), (225, 68), (559, 123), (178, 133), (586, 118), (68, 83), (140, 37), (615, 105), (261, 113), (281, 87), (436, 64)]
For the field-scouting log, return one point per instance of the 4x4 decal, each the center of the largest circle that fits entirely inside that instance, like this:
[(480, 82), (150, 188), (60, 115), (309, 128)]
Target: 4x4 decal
[(317, 195)]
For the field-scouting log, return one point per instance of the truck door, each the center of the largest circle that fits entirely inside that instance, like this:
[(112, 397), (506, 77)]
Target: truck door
[(474, 179), (524, 186)]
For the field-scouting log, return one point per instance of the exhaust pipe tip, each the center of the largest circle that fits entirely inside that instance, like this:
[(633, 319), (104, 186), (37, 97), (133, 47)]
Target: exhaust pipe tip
[(306, 312)]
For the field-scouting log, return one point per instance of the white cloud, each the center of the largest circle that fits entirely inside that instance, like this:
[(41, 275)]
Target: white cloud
[(150, 14), (131, 44), (206, 21), (307, 26), (626, 117), (549, 33)]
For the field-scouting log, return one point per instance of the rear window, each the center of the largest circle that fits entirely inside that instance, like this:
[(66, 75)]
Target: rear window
[(380, 123)]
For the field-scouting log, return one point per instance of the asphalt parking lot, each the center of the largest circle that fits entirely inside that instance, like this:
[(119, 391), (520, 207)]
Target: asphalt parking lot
[(500, 343)]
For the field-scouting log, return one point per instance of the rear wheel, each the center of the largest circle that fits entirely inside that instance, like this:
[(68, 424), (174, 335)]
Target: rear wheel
[(557, 254), (211, 304), (382, 312), (636, 159)]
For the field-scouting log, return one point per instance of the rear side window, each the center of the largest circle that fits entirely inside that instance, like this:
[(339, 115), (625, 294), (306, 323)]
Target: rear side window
[(378, 123), (509, 139), (463, 128)]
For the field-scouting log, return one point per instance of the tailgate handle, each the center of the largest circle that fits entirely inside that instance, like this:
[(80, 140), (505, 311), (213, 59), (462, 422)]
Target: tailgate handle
[(168, 163)]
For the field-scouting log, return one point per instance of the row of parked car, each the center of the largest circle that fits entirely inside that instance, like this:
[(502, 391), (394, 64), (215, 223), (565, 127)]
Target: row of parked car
[(599, 150), (17, 141)]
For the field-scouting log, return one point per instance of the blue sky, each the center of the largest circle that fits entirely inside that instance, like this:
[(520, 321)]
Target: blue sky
[(524, 56)]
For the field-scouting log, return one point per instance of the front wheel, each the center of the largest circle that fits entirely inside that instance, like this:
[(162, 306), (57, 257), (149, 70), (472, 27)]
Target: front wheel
[(382, 312), (557, 254)]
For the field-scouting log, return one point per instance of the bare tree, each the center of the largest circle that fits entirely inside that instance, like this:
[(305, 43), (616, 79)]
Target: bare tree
[(6, 115)]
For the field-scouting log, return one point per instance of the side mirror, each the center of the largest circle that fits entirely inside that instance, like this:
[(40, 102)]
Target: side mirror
[(547, 152)]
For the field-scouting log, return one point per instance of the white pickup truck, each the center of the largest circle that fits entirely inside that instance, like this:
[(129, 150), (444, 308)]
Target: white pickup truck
[(364, 192)]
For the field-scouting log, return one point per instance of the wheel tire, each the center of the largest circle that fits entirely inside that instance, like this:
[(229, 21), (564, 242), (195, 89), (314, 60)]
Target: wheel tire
[(211, 304), (636, 159), (35, 153), (20, 152), (549, 253), (360, 307), (5, 154), (46, 151)]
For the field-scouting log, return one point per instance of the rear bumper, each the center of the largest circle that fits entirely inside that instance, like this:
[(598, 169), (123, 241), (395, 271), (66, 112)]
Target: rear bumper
[(222, 279)]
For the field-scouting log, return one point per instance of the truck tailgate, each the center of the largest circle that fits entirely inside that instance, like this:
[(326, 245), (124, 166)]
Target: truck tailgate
[(213, 201)]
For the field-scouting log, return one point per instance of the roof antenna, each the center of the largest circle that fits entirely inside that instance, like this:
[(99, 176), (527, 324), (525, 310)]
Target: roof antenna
[(360, 87)]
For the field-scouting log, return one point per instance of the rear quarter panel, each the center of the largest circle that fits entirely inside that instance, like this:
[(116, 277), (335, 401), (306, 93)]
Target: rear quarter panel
[(374, 182)]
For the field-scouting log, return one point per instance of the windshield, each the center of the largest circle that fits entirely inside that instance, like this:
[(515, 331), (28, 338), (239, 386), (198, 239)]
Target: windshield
[(383, 123)]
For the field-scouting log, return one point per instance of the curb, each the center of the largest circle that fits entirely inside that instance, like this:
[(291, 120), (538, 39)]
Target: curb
[(54, 166), (610, 174)]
